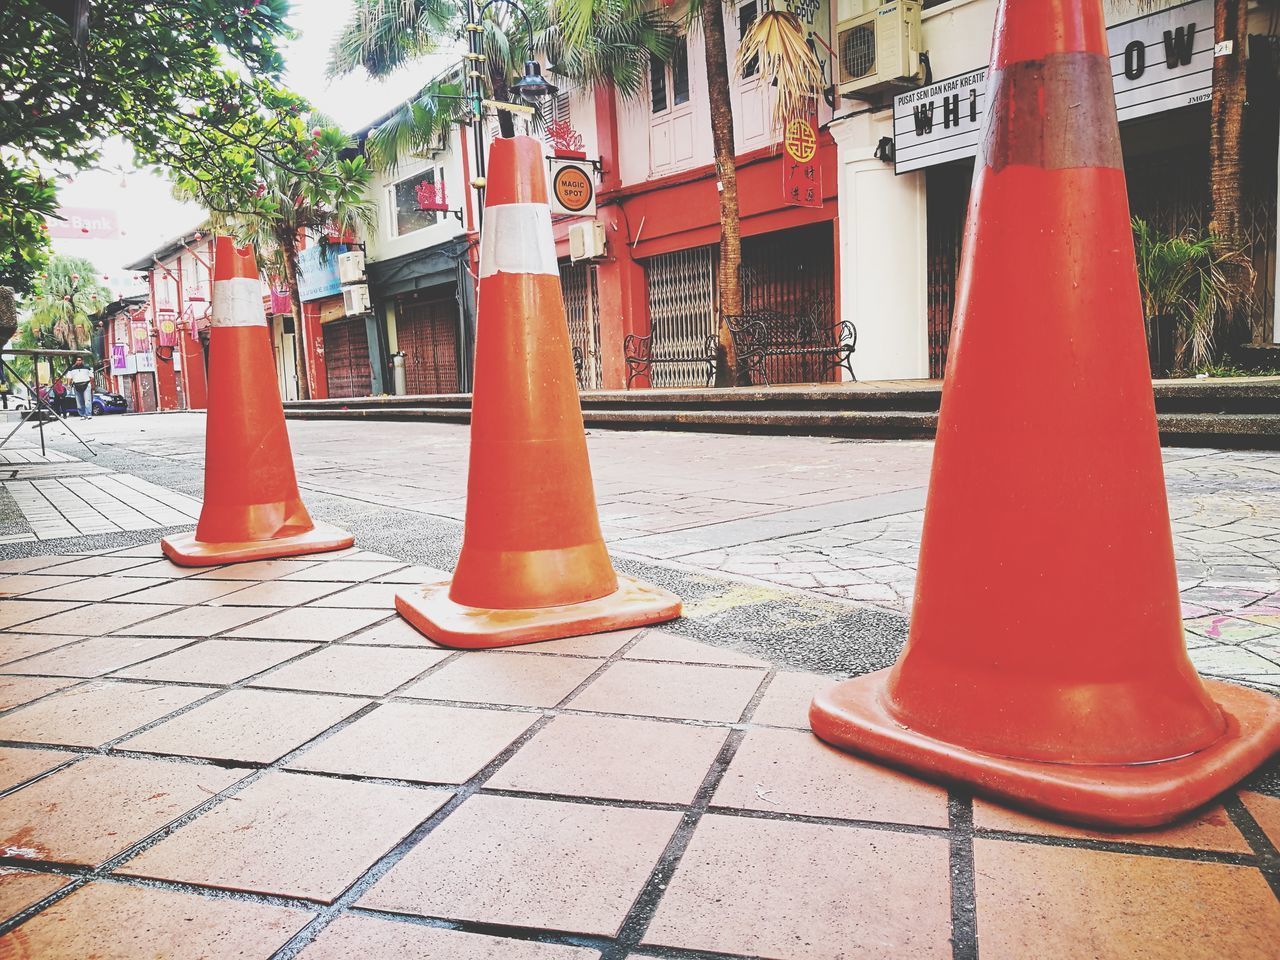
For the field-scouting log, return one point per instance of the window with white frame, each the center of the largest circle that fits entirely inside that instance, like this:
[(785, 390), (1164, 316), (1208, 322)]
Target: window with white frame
[(406, 199), (669, 81), (747, 14)]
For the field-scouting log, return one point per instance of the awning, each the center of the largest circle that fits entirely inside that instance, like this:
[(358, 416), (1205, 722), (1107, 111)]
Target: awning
[(417, 270)]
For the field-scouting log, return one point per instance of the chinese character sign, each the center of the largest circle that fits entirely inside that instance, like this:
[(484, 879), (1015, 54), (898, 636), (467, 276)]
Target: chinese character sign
[(119, 358), (801, 172)]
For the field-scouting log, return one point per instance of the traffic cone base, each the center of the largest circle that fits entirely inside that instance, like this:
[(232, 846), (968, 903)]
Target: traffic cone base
[(853, 716), (451, 624), (186, 551)]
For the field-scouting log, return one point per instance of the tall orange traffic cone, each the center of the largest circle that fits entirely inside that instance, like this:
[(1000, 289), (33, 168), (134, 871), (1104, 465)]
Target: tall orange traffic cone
[(533, 564), (1046, 663), (252, 510)]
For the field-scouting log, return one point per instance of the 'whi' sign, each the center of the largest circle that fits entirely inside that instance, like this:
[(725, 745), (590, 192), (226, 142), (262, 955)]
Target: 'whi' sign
[(1158, 62)]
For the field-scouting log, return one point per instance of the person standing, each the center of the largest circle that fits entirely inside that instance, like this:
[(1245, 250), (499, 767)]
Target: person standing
[(81, 379)]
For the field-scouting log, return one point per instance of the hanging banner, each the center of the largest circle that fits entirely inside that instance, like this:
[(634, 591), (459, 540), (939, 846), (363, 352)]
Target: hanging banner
[(166, 328), (801, 173), (119, 359), (1159, 62), (139, 337), (573, 189)]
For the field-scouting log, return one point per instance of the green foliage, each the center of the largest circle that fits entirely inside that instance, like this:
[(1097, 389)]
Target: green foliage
[(192, 84), (1197, 282), (384, 35), (58, 312)]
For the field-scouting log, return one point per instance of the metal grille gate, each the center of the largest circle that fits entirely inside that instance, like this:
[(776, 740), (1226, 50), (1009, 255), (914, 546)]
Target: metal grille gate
[(793, 272), (427, 335), (582, 309), (682, 313)]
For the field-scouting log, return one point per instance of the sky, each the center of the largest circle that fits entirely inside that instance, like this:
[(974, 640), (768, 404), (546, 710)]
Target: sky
[(141, 200)]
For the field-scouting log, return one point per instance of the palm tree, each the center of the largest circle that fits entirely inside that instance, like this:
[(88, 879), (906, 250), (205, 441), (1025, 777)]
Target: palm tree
[(789, 66), (294, 205), (57, 315), (383, 35)]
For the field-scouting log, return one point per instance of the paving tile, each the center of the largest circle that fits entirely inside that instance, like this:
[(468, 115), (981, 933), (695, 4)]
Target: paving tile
[(201, 621), (272, 593), (417, 741), (14, 612), (16, 646), (15, 691), (613, 758), (93, 589), (186, 591), (395, 632), (517, 679), (349, 571), (94, 657), (772, 888), (97, 566), (367, 671), (355, 936), (216, 661), (308, 623), (18, 764), (290, 834), (254, 726), (381, 596), (1093, 905), (147, 550), (20, 889), (1209, 829), (165, 570), (94, 713), (678, 690), (590, 645), (529, 863), (792, 771), (1266, 810), (99, 806), (657, 645), (256, 570), (111, 921), (20, 583), (27, 564), (413, 575), (786, 700), (97, 618)]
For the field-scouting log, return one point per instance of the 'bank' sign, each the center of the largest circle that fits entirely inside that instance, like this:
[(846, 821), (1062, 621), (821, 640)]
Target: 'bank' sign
[(1159, 62)]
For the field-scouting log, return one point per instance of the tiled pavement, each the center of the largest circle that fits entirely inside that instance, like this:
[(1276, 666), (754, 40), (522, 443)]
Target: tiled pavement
[(837, 518), (54, 495), (263, 761)]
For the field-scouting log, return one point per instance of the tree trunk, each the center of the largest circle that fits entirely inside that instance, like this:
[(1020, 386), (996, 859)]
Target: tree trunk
[(1226, 126), (289, 245), (727, 372), (502, 93)]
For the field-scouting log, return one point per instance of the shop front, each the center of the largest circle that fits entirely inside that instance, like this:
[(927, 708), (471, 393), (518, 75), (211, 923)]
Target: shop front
[(425, 305), (904, 223)]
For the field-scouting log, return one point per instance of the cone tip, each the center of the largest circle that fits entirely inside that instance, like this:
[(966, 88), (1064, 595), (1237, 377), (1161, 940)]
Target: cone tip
[(515, 172), (1032, 29), (231, 262)]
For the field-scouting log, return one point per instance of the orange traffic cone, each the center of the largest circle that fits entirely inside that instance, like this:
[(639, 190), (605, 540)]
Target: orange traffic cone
[(252, 510), (533, 564), (1046, 663)]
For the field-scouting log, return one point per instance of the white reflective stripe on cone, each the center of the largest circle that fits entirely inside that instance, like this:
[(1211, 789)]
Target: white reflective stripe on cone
[(237, 302), (517, 239)]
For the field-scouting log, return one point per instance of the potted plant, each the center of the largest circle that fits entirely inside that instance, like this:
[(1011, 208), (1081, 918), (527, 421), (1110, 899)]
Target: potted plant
[(1190, 288)]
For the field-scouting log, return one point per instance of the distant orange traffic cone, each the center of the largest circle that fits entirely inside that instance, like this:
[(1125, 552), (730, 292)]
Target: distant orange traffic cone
[(533, 564), (1046, 664), (252, 510)]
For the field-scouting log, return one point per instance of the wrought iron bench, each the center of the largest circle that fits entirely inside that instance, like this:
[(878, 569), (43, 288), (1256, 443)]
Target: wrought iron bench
[(766, 334), (638, 352)]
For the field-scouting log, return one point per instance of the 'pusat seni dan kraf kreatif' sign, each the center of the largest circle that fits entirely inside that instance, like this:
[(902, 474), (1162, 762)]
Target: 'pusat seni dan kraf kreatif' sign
[(1158, 62)]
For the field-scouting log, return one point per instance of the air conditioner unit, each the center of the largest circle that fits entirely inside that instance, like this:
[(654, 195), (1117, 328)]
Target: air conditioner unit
[(351, 266), (586, 240), (879, 51), (355, 299)]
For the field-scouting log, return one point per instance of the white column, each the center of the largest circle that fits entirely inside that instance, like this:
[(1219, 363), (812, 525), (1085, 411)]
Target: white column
[(882, 255)]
